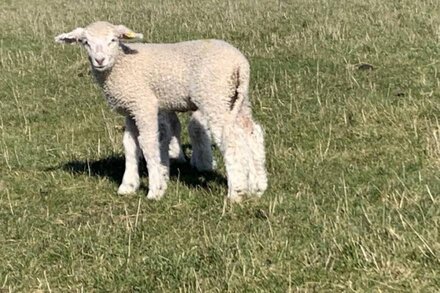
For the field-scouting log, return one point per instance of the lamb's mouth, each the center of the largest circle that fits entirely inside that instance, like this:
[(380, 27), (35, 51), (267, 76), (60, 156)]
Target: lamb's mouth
[(100, 68)]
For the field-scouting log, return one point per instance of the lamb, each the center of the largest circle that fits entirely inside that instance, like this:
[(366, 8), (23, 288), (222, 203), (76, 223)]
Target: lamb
[(147, 82)]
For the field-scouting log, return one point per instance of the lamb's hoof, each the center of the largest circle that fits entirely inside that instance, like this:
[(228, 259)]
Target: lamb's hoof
[(125, 189), (235, 199), (179, 159), (258, 187), (155, 195), (204, 166), (236, 196)]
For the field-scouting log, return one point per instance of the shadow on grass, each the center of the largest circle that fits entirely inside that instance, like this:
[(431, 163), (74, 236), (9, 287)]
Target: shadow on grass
[(113, 169)]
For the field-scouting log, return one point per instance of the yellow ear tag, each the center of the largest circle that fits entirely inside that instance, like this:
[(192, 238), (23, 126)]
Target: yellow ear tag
[(130, 35)]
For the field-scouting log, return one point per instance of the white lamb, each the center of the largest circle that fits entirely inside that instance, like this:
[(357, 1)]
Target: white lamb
[(146, 82)]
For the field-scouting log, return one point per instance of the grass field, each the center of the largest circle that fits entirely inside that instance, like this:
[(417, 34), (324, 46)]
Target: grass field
[(353, 154)]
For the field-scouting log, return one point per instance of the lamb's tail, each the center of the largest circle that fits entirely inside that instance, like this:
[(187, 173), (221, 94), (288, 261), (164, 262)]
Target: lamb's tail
[(240, 77)]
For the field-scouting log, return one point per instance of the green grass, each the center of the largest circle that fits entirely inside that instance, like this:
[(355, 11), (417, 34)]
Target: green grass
[(353, 154)]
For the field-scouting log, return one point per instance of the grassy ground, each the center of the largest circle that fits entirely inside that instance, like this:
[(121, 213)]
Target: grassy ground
[(353, 153)]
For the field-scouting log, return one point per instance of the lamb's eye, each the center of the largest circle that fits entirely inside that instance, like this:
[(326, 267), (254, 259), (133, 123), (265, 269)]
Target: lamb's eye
[(85, 43), (114, 40)]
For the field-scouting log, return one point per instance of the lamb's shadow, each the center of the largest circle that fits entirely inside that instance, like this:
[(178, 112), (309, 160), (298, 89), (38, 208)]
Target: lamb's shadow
[(113, 169)]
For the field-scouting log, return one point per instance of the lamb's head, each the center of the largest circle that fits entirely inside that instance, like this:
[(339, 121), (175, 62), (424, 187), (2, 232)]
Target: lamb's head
[(101, 40)]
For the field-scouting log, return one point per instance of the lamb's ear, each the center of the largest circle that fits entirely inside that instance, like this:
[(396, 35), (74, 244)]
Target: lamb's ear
[(125, 33), (74, 36)]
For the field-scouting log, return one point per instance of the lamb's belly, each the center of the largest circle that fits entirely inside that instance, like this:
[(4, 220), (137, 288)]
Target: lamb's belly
[(179, 105), (175, 101)]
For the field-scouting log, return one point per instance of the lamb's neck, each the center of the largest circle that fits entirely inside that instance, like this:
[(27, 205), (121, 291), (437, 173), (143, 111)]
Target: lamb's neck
[(101, 76)]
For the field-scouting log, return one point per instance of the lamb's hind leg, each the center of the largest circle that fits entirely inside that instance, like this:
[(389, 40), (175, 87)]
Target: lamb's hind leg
[(201, 157), (241, 142), (130, 181), (229, 138), (254, 136)]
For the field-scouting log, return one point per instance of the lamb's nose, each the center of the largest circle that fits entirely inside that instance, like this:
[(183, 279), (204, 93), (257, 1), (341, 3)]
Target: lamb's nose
[(99, 60)]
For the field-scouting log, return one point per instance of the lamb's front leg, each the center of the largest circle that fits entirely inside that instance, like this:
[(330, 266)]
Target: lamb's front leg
[(130, 181), (154, 146)]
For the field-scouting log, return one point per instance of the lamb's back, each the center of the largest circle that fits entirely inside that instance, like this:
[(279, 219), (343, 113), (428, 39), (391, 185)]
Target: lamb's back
[(172, 72)]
